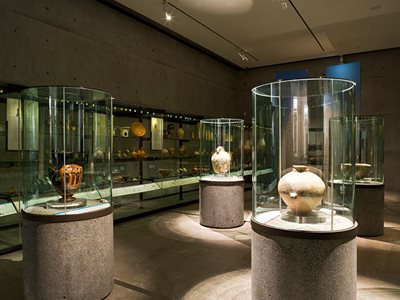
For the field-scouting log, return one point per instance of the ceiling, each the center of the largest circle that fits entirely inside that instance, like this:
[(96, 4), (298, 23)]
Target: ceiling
[(277, 31)]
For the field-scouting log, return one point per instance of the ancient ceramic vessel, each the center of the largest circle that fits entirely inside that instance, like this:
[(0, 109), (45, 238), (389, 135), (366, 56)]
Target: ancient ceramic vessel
[(66, 180), (180, 133), (221, 161), (362, 170), (301, 190)]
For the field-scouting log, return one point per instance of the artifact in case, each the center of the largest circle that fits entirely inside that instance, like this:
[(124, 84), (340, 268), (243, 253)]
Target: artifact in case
[(66, 144), (221, 173), (221, 149), (303, 154)]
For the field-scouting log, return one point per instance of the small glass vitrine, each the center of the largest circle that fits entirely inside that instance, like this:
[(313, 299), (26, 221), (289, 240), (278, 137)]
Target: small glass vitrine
[(66, 150), (221, 149)]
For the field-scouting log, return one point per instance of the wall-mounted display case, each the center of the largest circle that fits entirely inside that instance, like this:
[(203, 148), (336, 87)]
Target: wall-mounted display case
[(155, 159), (303, 154), (66, 150)]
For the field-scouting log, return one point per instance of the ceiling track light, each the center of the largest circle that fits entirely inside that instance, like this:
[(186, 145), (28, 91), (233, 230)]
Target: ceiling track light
[(242, 54), (171, 7), (284, 4), (168, 16)]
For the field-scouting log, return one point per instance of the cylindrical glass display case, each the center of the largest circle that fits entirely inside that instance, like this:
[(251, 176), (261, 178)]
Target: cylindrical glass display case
[(369, 150), (303, 154), (221, 185), (66, 150), (221, 149)]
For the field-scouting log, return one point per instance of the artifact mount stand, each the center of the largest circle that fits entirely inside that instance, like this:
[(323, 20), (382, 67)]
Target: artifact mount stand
[(303, 265), (68, 256), (222, 203)]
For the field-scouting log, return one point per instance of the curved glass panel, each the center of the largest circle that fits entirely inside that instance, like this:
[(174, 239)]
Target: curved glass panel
[(369, 150), (303, 139), (66, 150)]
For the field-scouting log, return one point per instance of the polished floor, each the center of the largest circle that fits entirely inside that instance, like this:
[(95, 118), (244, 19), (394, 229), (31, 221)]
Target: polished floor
[(170, 256)]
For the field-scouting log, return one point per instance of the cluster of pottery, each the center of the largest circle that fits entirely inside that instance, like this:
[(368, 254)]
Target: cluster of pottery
[(171, 133), (221, 161), (362, 171), (197, 170), (171, 151), (140, 153), (301, 190)]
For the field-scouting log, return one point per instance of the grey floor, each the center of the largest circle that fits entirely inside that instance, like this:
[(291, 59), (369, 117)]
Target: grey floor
[(170, 256)]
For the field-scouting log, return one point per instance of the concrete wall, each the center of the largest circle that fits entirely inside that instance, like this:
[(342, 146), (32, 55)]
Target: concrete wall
[(380, 79), (85, 43)]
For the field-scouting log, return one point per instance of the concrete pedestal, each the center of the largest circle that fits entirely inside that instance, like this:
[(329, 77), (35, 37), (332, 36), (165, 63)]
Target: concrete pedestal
[(69, 256), (369, 201), (302, 265), (221, 203)]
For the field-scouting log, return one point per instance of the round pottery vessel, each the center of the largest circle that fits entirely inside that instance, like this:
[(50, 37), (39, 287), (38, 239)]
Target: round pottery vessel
[(301, 190), (221, 161), (66, 179), (180, 133), (362, 170), (247, 146), (138, 129)]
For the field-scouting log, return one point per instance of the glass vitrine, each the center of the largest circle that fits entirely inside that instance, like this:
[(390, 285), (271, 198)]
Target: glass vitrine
[(303, 154), (66, 150), (221, 149), (369, 150)]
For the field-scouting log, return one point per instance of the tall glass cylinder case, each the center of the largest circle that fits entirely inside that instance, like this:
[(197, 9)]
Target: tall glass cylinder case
[(221, 149), (66, 150), (303, 154), (369, 150)]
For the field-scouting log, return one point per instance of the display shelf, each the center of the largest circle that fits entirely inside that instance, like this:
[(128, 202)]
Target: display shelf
[(167, 160)]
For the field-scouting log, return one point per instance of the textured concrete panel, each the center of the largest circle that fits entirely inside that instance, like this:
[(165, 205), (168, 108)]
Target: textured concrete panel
[(68, 260), (369, 204), (303, 269), (221, 204), (86, 43)]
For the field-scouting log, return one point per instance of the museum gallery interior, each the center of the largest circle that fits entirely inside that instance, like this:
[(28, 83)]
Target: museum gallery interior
[(208, 149)]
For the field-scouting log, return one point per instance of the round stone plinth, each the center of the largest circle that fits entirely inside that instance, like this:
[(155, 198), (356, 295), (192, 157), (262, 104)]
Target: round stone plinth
[(221, 203), (369, 201), (303, 265), (68, 257)]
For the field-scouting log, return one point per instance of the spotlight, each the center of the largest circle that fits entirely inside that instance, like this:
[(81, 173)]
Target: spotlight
[(242, 54), (283, 4), (167, 13)]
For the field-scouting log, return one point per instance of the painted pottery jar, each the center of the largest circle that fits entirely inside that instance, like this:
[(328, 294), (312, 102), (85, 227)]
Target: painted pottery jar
[(221, 161), (66, 180), (301, 190), (362, 170)]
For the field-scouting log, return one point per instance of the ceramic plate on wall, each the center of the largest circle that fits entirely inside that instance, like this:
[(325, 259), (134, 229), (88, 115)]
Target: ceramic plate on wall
[(138, 129)]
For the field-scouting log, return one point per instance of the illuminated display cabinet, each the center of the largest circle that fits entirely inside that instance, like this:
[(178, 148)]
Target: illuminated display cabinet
[(303, 185), (221, 172), (369, 176), (66, 152)]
